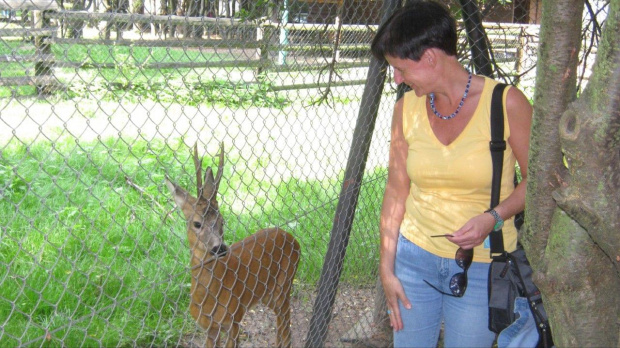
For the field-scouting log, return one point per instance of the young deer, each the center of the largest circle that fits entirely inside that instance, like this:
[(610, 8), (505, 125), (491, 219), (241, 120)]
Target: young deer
[(226, 282)]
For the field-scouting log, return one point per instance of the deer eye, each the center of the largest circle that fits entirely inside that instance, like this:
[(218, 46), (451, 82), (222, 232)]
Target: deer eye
[(197, 224)]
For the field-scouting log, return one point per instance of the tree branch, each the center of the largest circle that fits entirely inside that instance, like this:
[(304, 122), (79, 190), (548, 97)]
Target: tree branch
[(593, 122)]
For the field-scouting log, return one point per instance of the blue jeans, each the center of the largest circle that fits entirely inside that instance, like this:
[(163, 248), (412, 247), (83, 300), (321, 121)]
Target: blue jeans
[(522, 332), (465, 319)]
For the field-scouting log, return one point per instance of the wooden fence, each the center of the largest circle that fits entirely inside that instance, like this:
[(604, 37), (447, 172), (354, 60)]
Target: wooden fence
[(37, 35), (268, 46)]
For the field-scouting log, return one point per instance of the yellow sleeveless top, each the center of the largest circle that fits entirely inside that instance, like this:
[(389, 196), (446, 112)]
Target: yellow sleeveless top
[(450, 184)]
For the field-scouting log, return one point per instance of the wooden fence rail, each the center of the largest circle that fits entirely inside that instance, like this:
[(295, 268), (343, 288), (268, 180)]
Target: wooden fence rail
[(31, 5), (41, 31), (262, 38)]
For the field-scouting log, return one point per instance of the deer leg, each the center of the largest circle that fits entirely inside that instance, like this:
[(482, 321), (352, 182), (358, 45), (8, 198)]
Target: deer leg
[(232, 339), (283, 322), (212, 337)]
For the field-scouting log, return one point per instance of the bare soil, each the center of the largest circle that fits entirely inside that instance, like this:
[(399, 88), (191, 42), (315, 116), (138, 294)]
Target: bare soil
[(351, 324)]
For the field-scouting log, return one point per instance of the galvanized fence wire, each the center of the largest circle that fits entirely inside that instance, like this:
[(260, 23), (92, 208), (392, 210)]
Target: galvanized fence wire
[(100, 102)]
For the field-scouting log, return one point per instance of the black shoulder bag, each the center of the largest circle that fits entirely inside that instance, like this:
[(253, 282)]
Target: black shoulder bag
[(510, 274)]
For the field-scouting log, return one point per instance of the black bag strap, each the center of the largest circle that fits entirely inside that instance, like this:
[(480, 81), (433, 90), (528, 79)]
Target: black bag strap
[(534, 299), (497, 146)]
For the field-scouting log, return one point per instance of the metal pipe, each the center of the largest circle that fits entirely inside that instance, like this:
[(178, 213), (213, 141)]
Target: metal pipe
[(345, 210)]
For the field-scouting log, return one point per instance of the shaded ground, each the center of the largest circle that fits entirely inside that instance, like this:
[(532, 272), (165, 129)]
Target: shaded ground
[(352, 306)]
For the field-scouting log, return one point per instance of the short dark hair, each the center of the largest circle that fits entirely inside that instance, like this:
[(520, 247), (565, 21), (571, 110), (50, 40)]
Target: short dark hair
[(419, 25)]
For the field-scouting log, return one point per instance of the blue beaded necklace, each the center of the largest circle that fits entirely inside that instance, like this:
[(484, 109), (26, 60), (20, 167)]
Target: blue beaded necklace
[(432, 102)]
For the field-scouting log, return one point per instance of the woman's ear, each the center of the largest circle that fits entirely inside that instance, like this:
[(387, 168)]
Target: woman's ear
[(430, 57)]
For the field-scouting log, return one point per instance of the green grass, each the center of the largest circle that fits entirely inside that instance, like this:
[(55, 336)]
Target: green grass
[(92, 261), (136, 55), (128, 79)]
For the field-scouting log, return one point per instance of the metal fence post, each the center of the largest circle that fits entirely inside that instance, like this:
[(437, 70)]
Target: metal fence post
[(477, 38), (345, 210)]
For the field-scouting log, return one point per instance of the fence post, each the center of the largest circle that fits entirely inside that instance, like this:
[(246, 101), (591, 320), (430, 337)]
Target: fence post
[(347, 203), (476, 36), (264, 34), (42, 68), (345, 210), (260, 34), (282, 53), (337, 38), (520, 47)]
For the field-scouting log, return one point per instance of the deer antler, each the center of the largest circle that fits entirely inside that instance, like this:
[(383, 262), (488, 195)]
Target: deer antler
[(209, 187), (220, 168), (198, 166)]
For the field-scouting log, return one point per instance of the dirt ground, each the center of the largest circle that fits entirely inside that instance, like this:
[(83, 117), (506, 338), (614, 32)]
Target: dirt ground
[(350, 326)]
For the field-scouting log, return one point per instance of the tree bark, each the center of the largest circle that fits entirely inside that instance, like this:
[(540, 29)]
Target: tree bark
[(573, 202), (555, 89)]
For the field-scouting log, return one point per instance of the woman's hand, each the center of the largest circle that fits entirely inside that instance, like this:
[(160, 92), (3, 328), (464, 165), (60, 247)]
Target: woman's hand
[(474, 232), (394, 292)]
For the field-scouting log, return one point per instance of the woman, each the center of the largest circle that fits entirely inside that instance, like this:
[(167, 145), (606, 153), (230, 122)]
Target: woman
[(439, 183)]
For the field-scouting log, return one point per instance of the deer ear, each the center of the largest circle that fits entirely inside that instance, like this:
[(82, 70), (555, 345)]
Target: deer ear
[(181, 197)]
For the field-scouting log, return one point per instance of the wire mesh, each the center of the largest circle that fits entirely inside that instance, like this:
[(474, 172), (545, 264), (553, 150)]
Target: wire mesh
[(101, 101)]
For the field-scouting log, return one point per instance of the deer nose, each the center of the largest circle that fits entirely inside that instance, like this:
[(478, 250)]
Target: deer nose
[(219, 250)]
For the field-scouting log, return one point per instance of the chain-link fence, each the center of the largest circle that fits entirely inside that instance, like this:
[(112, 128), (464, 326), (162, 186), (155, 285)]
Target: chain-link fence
[(101, 101)]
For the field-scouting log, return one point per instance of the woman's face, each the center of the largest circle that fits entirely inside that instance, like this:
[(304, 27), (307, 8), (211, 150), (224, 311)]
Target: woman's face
[(416, 75)]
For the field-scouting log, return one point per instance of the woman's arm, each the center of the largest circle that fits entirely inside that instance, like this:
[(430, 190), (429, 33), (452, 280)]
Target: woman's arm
[(392, 213), (519, 113)]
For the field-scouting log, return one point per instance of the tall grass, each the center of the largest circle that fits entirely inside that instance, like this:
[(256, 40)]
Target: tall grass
[(90, 260)]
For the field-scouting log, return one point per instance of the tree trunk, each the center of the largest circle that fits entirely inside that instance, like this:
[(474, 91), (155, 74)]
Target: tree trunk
[(573, 202), (76, 27), (554, 91), (138, 8)]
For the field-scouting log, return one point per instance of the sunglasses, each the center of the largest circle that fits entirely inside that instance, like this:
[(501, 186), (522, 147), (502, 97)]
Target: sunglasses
[(458, 282)]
